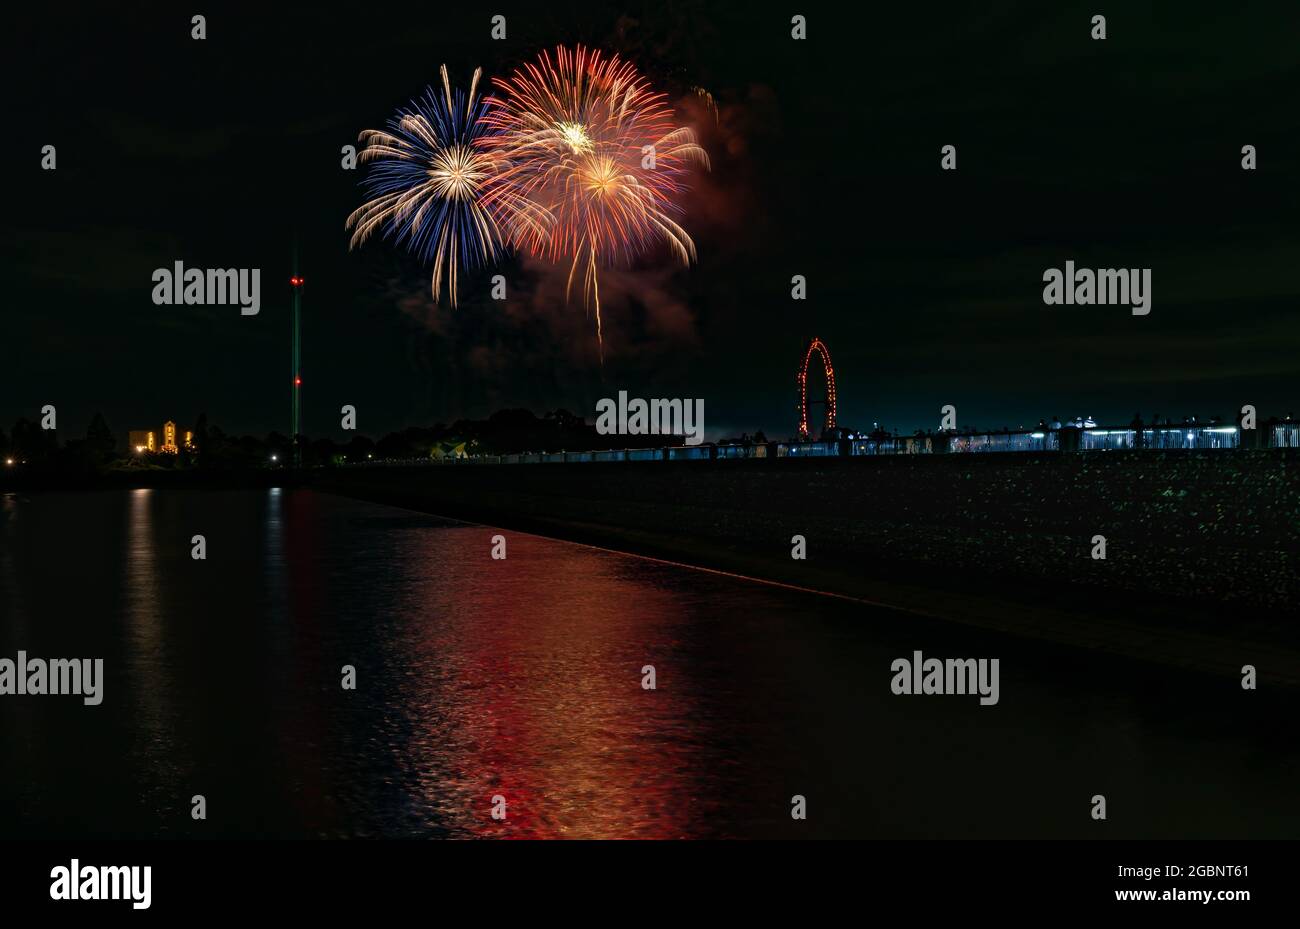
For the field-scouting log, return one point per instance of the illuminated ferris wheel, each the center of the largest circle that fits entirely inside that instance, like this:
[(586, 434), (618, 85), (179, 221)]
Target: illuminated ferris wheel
[(818, 346)]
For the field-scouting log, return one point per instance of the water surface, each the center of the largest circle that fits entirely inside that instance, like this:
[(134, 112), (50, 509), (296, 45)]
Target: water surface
[(522, 679)]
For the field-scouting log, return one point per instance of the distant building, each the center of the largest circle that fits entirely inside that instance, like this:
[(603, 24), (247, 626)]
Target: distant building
[(169, 438), (141, 441)]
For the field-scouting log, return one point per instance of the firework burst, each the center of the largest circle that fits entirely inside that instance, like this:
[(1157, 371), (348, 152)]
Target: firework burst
[(438, 188), (587, 141)]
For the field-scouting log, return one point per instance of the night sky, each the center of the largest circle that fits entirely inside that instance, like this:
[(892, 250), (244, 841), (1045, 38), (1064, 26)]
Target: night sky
[(927, 285)]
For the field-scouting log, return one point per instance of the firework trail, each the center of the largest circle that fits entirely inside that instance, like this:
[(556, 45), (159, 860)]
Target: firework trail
[(591, 145), (436, 187)]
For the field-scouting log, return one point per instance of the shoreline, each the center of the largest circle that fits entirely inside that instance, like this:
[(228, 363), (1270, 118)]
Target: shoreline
[(986, 570), (1209, 638)]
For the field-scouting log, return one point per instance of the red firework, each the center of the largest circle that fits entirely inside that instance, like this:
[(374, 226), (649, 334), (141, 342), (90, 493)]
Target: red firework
[(585, 138)]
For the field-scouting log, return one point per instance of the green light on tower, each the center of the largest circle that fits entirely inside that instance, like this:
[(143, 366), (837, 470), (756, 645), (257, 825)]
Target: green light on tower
[(296, 281)]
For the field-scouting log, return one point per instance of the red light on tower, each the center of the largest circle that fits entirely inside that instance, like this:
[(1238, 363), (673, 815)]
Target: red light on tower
[(297, 281), (297, 381)]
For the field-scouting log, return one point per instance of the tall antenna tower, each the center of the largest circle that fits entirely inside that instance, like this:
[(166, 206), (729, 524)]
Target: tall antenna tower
[(295, 435)]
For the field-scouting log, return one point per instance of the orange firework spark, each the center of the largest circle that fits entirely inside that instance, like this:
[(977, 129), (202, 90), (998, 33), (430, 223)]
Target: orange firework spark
[(587, 140)]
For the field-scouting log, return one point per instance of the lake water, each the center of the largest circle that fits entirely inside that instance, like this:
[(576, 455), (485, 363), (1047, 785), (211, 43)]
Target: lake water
[(522, 679)]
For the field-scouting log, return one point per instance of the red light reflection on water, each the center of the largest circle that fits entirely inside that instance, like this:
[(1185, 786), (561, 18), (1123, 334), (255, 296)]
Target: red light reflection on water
[(527, 685)]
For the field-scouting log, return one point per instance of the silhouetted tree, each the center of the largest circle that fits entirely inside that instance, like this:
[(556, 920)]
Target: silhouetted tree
[(30, 442), (200, 437), (100, 441)]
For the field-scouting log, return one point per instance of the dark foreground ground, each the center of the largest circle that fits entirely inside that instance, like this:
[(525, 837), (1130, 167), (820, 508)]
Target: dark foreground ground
[(1200, 566)]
